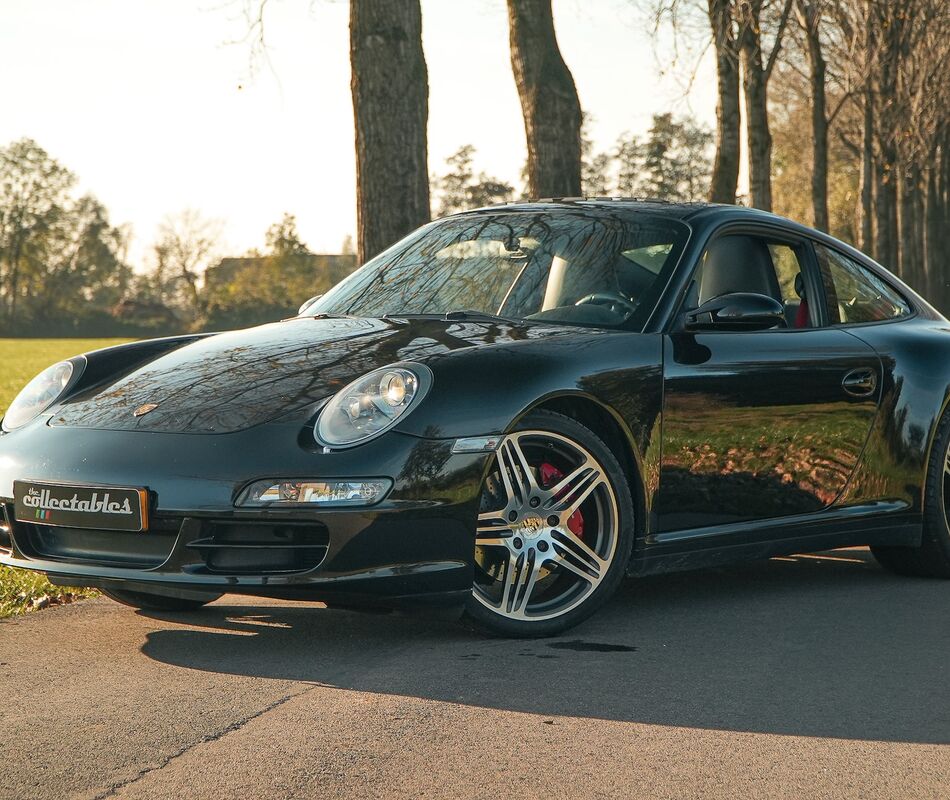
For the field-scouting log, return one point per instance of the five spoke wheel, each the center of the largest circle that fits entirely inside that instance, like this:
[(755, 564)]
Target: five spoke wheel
[(548, 529)]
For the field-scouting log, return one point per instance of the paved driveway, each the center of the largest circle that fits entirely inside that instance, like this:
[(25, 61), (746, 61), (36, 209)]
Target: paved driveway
[(809, 676)]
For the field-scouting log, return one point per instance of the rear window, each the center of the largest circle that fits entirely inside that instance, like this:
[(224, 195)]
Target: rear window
[(854, 294)]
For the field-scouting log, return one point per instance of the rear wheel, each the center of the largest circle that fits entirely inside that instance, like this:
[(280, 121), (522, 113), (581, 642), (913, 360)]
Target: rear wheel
[(555, 529), (146, 601), (932, 558)]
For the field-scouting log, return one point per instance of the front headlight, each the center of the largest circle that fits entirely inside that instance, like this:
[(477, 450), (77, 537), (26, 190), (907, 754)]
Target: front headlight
[(371, 405), (40, 393)]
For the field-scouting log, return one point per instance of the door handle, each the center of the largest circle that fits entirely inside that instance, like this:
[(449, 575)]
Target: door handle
[(860, 382)]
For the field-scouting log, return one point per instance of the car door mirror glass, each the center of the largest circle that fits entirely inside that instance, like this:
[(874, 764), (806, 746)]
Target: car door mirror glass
[(737, 311)]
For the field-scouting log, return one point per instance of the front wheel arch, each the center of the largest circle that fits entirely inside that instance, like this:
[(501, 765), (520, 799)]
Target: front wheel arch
[(606, 426)]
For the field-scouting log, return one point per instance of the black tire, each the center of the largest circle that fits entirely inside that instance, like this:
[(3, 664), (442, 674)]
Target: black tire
[(144, 601), (932, 558), (492, 621)]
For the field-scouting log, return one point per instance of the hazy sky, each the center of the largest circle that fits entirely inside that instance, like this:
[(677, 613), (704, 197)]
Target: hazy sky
[(156, 110)]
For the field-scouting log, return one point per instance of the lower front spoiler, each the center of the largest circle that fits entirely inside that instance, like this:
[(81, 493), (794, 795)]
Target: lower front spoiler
[(360, 591), (448, 605), (407, 558)]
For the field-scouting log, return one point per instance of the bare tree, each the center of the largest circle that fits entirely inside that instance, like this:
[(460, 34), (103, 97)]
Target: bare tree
[(895, 55), (390, 88), (809, 18), (186, 246), (725, 177), (461, 188), (756, 72), (549, 102)]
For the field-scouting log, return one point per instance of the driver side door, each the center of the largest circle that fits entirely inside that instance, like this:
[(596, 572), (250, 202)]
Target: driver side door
[(761, 424)]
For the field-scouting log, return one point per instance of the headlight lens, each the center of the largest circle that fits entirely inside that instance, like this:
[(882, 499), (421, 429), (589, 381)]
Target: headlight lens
[(38, 395), (371, 405)]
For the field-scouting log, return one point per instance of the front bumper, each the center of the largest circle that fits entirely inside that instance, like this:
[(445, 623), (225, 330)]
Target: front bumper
[(414, 548)]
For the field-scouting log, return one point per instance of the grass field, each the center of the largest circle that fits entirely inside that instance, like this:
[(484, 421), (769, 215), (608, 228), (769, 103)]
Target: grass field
[(22, 359)]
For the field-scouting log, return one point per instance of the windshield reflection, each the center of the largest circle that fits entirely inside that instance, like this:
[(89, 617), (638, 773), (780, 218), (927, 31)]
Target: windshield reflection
[(593, 267)]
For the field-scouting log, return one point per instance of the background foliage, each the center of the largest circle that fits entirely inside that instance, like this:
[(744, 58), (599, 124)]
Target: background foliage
[(22, 358)]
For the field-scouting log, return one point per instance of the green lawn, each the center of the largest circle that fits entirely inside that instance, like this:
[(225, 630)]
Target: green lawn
[(21, 359)]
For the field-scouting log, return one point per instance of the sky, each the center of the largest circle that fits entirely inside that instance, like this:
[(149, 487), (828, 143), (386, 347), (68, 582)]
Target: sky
[(157, 107)]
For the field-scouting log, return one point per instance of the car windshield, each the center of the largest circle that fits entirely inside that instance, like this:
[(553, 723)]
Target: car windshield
[(601, 268)]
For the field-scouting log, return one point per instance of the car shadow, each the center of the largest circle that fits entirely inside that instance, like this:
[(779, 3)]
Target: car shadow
[(824, 645)]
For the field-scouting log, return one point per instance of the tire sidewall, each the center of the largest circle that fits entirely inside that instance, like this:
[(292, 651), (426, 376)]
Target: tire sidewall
[(548, 421), (936, 526)]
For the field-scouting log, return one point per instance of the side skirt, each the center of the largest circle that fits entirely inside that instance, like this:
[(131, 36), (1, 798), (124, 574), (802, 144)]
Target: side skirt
[(874, 524)]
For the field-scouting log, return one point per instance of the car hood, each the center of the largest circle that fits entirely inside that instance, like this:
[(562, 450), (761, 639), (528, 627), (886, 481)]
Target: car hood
[(233, 381)]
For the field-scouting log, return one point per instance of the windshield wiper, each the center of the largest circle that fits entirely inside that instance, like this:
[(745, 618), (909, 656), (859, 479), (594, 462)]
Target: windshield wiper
[(468, 314), (462, 316)]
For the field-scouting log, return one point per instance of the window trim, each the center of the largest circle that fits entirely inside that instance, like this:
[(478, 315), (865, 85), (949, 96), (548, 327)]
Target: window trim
[(772, 234), (876, 272)]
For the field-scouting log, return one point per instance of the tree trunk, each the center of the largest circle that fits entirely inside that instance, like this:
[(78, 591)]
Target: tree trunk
[(938, 223), (932, 233), (549, 102), (885, 213), (943, 201), (725, 177), (908, 228), (390, 89), (16, 249), (889, 21), (755, 90), (867, 176), (810, 13)]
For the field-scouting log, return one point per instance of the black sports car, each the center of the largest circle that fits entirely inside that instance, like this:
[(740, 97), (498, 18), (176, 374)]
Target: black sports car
[(505, 413)]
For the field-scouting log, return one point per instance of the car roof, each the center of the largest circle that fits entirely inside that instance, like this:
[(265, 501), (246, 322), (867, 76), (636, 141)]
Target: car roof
[(696, 214), (703, 215), (676, 209)]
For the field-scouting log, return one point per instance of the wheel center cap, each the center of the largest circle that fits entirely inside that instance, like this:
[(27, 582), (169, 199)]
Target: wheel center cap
[(531, 527)]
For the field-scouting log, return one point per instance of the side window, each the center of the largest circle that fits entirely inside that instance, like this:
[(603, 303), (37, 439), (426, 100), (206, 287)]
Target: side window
[(788, 270), (742, 263), (854, 293)]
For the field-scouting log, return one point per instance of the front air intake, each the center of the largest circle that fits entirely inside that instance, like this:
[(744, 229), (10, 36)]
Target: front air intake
[(250, 548)]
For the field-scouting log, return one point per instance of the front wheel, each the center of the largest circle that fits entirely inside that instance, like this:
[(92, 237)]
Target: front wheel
[(554, 532), (146, 601)]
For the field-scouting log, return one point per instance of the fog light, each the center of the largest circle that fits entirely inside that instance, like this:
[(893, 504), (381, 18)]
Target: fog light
[(292, 492)]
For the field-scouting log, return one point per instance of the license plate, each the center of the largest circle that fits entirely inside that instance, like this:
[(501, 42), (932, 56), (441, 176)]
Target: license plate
[(109, 508)]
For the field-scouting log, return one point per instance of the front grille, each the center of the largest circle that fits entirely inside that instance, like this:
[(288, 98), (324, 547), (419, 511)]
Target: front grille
[(107, 548), (252, 548)]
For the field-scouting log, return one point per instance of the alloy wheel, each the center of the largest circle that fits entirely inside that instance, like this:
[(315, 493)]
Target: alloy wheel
[(547, 529)]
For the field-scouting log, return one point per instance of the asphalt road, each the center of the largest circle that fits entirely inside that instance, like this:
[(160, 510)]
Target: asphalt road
[(803, 677)]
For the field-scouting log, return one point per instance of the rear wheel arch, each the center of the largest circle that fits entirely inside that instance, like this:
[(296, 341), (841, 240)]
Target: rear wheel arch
[(932, 436), (931, 558)]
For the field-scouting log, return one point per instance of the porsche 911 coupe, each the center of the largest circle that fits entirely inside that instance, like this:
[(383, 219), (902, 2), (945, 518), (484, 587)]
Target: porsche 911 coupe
[(503, 415)]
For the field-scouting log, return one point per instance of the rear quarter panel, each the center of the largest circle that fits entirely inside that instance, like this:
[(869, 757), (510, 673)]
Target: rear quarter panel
[(915, 354)]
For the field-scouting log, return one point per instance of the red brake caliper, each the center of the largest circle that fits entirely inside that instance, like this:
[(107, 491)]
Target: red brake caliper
[(550, 475)]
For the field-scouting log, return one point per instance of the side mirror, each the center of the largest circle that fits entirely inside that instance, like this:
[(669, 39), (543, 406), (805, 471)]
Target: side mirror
[(307, 304), (738, 311)]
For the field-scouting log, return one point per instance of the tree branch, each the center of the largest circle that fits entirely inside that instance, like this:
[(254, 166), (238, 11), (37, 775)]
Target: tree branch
[(777, 46)]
